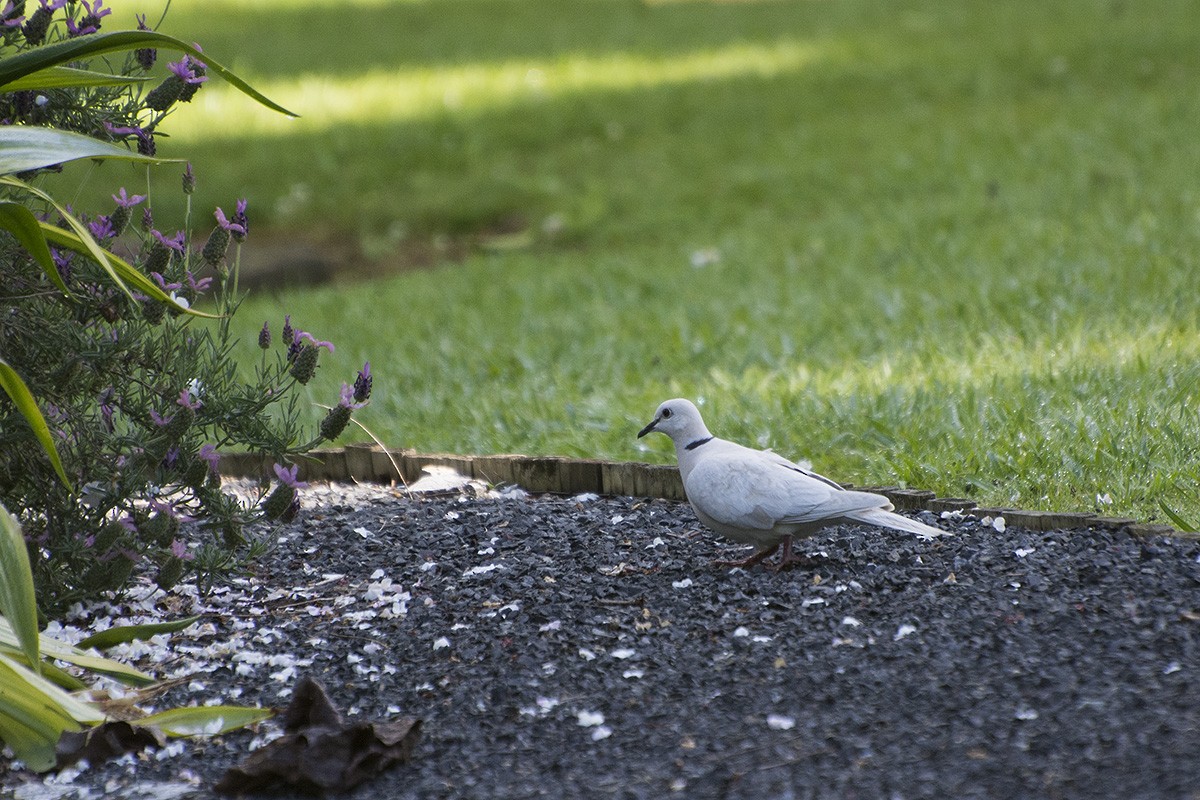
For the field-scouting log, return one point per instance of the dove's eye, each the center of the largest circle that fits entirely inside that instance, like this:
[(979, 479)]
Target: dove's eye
[(666, 413)]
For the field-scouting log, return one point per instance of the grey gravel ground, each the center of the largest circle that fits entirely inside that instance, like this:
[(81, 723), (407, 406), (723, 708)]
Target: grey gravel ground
[(586, 648)]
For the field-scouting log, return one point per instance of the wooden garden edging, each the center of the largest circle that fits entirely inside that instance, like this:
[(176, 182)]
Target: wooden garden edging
[(571, 476)]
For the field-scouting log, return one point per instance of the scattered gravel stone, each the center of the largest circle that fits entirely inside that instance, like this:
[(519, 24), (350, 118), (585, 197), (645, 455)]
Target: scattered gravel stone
[(585, 647)]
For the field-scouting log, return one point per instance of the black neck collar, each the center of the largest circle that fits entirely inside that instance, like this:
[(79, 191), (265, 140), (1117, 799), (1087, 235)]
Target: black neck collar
[(697, 443)]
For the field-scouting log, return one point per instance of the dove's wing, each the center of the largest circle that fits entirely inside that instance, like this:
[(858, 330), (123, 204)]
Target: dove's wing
[(753, 490)]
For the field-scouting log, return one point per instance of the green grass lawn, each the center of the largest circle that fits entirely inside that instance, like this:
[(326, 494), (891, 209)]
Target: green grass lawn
[(948, 245)]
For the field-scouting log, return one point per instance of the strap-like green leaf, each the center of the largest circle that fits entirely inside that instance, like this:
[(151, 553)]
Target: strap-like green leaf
[(16, 389), (39, 58), (205, 720), (26, 147), (21, 223), (18, 603), (51, 648), (65, 77), (117, 266), (128, 633)]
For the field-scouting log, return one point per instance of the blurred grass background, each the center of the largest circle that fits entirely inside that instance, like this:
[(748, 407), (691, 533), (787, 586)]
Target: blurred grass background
[(945, 245)]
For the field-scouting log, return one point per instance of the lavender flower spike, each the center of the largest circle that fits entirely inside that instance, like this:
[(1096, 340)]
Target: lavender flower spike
[(362, 384)]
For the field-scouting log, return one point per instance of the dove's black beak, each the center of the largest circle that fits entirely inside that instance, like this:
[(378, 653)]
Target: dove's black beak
[(648, 428)]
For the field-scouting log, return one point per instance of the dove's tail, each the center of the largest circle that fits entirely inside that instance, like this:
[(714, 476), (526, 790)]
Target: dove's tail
[(887, 519)]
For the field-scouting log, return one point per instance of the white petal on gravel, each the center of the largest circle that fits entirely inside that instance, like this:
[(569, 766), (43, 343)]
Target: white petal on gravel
[(812, 601), (1021, 552), (998, 524), (377, 574), (741, 632), (1025, 713), (552, 625), (658, 542), (602, 732), (634, 673), (585, 654), (589, 719), (904, 630), (441, 643), (483, 569), (1171, 668), (778, 722), (761, 639), (586, 497), (363, 532), (683, 584), (851, 621), (623, 653)]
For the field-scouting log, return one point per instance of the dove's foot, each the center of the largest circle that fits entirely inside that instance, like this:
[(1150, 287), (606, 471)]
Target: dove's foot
[(752, 560), (789, 559)]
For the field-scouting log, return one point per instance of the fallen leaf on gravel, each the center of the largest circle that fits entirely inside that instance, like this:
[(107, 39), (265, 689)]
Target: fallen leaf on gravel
[(104, 741), (319, 752)]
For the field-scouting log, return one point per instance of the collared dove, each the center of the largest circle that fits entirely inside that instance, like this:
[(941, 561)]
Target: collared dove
[(760, 498)]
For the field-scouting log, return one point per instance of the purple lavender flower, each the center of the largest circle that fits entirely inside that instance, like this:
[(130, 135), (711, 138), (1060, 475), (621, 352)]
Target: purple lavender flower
[(159, 420), (171, 458), (287, 329), (240, 220), (209, 455), (189, 179), (198, 286), (362, 384), (174, 242), (180, 551), (90, 21), (183, 68), (125, 201), (223, 221), (168, 508), (162, 283), (101, 228), (6, 16), (312, 340), (187, 401), (288, 476), (121, 130), (146, 145), (62, 260), (348, 399), (264, 337), (127, 522)]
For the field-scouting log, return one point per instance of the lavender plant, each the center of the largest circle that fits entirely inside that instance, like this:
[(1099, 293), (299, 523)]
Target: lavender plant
[(141, 393)]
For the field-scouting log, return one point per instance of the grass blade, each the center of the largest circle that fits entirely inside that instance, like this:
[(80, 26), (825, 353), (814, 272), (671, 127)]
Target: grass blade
[(1176, 520), (51, 648)]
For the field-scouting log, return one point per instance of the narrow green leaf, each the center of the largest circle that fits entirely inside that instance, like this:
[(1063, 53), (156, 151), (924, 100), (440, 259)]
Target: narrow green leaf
[(31, 61), (66, 77), (16, 389), (49, 671), (52, 648), (1176, 520), (31, 746), (205, 720), (118, 268), (37, 700), (22, 224), (18, 603), (26, 147), (128, 633)]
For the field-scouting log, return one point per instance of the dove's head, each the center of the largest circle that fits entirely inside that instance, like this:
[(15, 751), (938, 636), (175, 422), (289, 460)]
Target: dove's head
[(680, 420)]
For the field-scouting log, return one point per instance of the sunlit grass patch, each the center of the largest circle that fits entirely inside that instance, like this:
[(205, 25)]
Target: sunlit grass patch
[(397, 95)]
